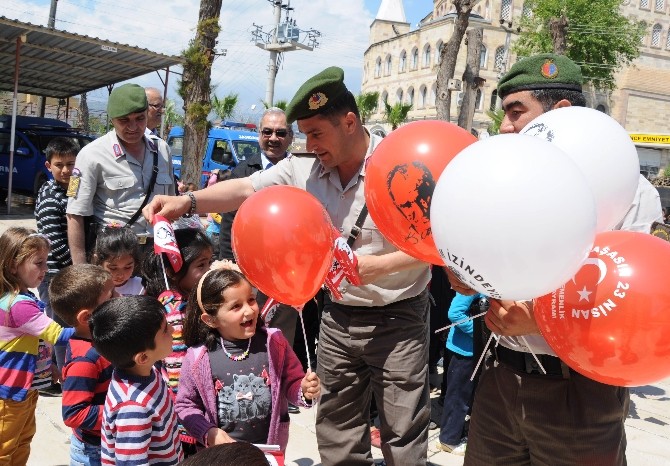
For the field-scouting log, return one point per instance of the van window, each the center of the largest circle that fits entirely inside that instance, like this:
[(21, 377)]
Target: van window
[(246, 149), (4, 143), (222, 153), (176, 144)]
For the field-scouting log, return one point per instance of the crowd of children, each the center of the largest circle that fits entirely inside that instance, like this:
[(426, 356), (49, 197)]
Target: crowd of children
[(158, 363)]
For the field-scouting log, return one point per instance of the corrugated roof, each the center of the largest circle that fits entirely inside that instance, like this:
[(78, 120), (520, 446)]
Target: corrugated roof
[(63, 64)]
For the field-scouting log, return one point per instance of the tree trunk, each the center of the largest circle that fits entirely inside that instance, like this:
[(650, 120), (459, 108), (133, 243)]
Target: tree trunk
[(195, 89), (448, 57), (558, 28), (470, 78), (84, 124)]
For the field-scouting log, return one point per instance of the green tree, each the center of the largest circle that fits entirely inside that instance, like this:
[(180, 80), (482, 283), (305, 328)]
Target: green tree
[(397, 114), (496, 117), (278, 104), (592, 33), (172, 116), (195, 88), (367, 104), (224, 108)]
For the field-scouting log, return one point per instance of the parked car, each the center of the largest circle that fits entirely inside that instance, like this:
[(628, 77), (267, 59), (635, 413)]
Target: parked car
[(227, 145), (31, 139)]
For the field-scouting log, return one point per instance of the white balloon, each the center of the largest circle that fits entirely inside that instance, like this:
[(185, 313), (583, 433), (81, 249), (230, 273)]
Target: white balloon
[(513, 216), (603, 151)]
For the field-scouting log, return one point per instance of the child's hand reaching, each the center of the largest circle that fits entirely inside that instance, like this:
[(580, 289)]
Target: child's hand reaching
[(216, 436), (311, 386)]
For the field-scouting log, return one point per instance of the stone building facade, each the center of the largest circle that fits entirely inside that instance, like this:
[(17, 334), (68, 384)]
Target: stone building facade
[(401, 64)]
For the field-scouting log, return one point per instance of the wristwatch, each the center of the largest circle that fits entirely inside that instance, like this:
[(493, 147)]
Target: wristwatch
[(191, 211)]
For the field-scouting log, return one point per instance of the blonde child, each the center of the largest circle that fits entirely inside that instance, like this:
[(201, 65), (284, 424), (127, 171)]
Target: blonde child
[(196, 252), (117, 250), (23, 264), (237, 377)]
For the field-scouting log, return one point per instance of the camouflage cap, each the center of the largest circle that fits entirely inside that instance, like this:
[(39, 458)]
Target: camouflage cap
[(317, 94), (126, 99), (542, 71)]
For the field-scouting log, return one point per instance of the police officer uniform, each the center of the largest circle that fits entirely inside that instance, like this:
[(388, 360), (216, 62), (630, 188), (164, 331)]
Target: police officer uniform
[(375, 337)]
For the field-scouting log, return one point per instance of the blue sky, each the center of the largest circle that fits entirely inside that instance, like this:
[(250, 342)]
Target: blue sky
[(166, 26)]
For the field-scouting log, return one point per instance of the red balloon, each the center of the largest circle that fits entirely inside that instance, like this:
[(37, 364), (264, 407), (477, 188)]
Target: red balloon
[(283, 242), (611, 322), (400, 178)]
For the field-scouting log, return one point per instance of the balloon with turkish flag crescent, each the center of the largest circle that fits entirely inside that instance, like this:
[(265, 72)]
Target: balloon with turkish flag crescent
[(611, 322)]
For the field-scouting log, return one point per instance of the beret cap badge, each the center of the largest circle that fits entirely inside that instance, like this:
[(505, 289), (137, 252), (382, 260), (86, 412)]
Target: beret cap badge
[(317, 100), (549, 69)]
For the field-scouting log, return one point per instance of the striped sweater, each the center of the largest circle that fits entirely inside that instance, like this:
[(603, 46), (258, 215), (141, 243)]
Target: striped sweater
[(139, 424), (23, 325), (86, 376), (175, 310), (50, 215)]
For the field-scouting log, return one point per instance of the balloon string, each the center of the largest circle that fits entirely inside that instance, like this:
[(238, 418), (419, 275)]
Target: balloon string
[(460, 322), (167, 285), (315, 402), (481, 358), (525, 342)]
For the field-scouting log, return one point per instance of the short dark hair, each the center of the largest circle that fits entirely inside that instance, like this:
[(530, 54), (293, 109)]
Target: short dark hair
[(228, 454), (123, 327), (75, 288), (550, 97), (341, 106), (191, 242), (61, 146), (114, 242)]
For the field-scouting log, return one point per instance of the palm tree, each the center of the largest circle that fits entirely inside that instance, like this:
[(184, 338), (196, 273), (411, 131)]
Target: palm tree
[(397, 114), (172, 117), (224, 108), (367, 104), (278, 104)]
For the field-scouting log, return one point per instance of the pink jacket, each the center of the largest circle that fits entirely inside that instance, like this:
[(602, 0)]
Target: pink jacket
[(196, 396)]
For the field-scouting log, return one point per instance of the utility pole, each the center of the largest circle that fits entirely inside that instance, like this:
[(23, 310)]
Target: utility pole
[(285, 37), (52, 14)]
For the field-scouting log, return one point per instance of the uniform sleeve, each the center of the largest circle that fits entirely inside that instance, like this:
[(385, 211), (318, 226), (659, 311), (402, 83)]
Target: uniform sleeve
[(459, 311), (82, 202), (126, 435), (280, 174), (79, 384)]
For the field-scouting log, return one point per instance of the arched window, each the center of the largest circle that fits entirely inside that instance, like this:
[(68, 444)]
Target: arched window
[(423, 95), (402, 64), (506, 10), (433, 94), (426, 56), (479, 99), (398, 96), (656, 35), (415, 59), (487, 10), (410, 96), (482, 57), (389, 63), (378, 67), (438, 51), (644, 4), (643, 25), (601, 108), (500, 58), (494, 100), (658, 5)]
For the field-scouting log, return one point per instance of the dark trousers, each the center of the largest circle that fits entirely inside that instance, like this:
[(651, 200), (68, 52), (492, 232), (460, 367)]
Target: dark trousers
[(374, 349), (533, 419), (457, 398)]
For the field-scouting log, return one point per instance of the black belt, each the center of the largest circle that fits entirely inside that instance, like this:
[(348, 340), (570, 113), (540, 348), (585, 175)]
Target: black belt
[(525, 362)]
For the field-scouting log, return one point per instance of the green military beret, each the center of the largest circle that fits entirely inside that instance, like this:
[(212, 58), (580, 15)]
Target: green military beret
[(126, 99), (543, 71), (317, 94)]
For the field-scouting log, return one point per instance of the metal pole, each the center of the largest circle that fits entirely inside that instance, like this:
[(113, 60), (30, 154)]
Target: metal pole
[(272, 69), (52, 14), (165, 89), (19, 41)]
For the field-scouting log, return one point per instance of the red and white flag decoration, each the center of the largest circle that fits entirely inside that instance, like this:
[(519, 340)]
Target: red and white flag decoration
[(165, 242), (345, 266)]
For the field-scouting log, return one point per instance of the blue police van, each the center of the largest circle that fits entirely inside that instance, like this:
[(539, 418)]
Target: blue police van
[(32, 136), (227, 145)]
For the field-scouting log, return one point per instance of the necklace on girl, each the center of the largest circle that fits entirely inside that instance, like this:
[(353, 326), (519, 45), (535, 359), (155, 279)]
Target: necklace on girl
[(238, 357)]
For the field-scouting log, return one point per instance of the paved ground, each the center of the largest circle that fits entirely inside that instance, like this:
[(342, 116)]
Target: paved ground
[(647, 426)]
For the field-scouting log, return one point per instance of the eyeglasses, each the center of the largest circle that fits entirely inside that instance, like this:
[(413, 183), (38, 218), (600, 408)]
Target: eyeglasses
[(157, 106), (281, 133)]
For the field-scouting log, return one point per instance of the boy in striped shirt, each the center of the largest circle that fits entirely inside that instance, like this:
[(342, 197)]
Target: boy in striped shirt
[(75, 292), (139, 425)]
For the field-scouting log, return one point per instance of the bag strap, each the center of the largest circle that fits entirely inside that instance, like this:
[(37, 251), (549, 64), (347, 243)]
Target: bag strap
[(150, 189), (356, 229)]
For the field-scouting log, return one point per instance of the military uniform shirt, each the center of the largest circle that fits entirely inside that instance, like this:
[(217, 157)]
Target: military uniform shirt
[(344, 206), (113, 184)]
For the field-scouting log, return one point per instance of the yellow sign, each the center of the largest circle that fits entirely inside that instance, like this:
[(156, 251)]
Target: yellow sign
[(647, 138)]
